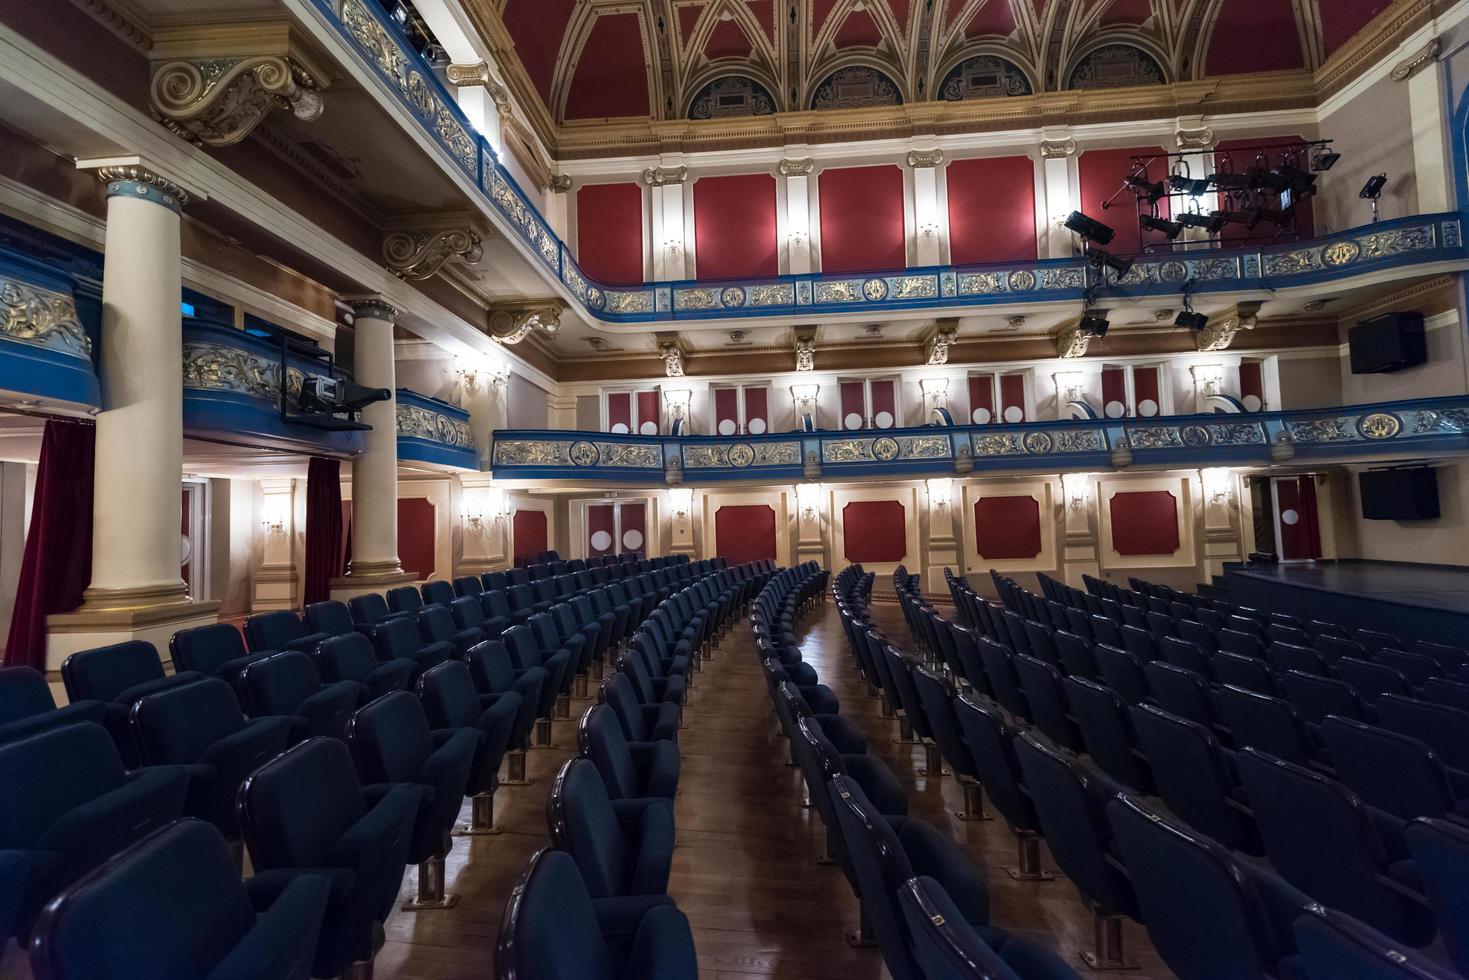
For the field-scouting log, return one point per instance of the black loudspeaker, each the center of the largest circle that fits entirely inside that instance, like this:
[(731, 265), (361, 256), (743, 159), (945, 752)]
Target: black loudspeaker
[(1404, 494), (1390, 342)]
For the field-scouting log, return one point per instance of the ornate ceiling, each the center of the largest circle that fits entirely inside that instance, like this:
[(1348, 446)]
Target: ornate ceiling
[(679, 59)]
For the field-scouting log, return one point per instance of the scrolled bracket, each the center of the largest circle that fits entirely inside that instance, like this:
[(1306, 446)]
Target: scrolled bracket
[(419, 255), (219, 101)]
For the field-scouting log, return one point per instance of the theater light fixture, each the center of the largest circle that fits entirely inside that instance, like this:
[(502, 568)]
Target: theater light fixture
[(1193, 321), (1076, 488), (1212, 222), (1102, 259), (1184, 184), (1171, 229), (1089, 229), (808, 500), (1094, 323), (1323, 159), (680, 502), (1153, 190), (1372, 191)]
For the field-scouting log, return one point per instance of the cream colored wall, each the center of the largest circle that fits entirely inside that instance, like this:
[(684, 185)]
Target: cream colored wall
[(1310, 382), (1444, 541), (1443, 374), (1374, 134)]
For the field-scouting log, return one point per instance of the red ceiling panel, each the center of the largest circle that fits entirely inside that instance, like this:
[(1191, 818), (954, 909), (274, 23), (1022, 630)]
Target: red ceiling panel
[(734, 226), (764, 11), (1128, 12), (728, 41), (1340, 19), (688, 17), (820, 10), (609, 232), (862, 219), (538, 26), (612, 74), (991, 210), (900, 10), (1235, 45), (858, 30)]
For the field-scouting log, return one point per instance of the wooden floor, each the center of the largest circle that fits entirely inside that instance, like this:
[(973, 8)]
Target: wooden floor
[(745, 869)]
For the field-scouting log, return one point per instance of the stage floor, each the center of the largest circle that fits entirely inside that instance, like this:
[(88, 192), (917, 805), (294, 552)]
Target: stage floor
[(1433, 586)]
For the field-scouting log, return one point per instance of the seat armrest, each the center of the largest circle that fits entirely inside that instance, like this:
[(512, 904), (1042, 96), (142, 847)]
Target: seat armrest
[(283, 940), (630, 811), (663, 947), (371, 837)]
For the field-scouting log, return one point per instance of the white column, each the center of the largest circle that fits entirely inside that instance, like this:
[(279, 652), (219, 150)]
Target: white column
[(1429, 112), (374, 472), (797, 175), (928, 227), (136, 590), (670, 248), (1057, 157)]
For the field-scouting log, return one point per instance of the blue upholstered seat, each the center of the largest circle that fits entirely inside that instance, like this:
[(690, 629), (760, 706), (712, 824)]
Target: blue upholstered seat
[(399, 639), (27, 705), (791, 706), (553, 929), (640, 722), (1046, 699), (1194, 776), (1440, 851), (1336, 947), (521, 643), (288, 685), (451, 702), (1267, 723), (1394, 772), (437, 592), (405, 599), (216, 650), (201, 727), (948, 948), (280, 630), (468, 585), (173, 907), (629, 769), (1443, 728), (1106, 732), (1122, 671), (350, 657), (436, 624), (329, 616), (622, 847), (492, 673), (304, 811), (370, 609), (118, 675), (991, 742), (1207, 913), (68, 806)]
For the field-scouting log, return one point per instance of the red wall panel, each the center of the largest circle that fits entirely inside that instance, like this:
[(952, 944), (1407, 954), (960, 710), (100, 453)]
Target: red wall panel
[(528, 529), (1012, 396), (416, 536), (1251, 385), (726, 411), (745, 532), (734, 226), (1145, 390), (853, 405), (649, 410), (609, 232), (862, 219), (981, 398), (1007, 527), (1234, 156), (884, 404), (634, 527), (619, 411), (1144, 522), (875, 531), (991, 210), (1114, 392), (1101, 173), (601, 530), (757, 411)]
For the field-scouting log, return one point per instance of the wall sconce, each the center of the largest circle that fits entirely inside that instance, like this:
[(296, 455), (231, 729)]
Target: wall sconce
[(273, 521), (484, 507), (1209, 378), (808, 500), (804, 397), (678, 401), (1070, 386), (797, 239), (499, 375), (929, 229), (940, 492), (681, 502), (1218, 484), (1077, 488), (673, 246)]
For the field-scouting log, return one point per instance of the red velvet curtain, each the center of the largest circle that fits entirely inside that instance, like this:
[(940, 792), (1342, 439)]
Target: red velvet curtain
[(1310, 516), (323, 527), (57, 565)]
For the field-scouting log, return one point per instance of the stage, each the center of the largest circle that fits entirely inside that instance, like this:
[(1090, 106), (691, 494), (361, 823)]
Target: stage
[(1416, 602)]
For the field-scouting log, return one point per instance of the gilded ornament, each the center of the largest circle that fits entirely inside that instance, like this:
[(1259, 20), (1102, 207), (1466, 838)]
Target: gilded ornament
[(42, 318), (1022, 281), (629, 302), (218, 101), (1038, 443), (419, 255), (1379, 425), (914, 287), (1194, 436), (732, 296), (875, 290), (583, 453), (923, 447), (982, 283), (772, 295), (525, 452), (698, 456), (777, 453), (741, 455), (885, 448), (1341, 253), (695, 299), (631, 455), (841, 291), (997, 444)]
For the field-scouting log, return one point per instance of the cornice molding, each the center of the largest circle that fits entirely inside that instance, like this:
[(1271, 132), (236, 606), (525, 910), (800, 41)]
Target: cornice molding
[(121, 19), (1375, 42)]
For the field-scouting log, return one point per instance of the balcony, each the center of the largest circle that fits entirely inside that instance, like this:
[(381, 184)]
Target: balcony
[(46, 354), (1389, 430), (434, 433)]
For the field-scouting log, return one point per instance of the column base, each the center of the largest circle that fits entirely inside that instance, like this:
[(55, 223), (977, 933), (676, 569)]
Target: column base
[(363, 578), (95, 625)]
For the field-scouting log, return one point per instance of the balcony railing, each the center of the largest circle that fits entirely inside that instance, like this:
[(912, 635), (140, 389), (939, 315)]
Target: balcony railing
[(434, 431), (1433, 242), (1427, 426), (46, 355)]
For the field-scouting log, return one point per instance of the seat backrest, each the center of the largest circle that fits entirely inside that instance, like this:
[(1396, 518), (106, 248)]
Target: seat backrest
[(550, 927), (1372, 680), (495, 581), (51, 773), (23, 693), (1334, 946), (1045, 698), (1122, 671), (436, 623), (1441, 854), (489, 666), (448, 695), (273, 630), (583, 823), (1267, 723), (1181, 692), (599, 736), (1246, 644), (369, 608), (1441, 690), (880, 866), (467, 611), (1416, 667), (396, 639), (1442, 728), (1139, 642), (1388, 770), (108, 924), (1106, 730), (206, 648), (1198, 633), (1075, 654), (279, 683), (390, 738), (348, 657), (1245, 672), (330, 617), (619, 694), (1203, 914), (1186, 654), (946, 947), (1000, 669), (1334, 647), (174, 726), (296, 807), (468, 585), (437, 592), (1317, 697), (1189, 770), (102, 673), (937, 697), (405, 598)]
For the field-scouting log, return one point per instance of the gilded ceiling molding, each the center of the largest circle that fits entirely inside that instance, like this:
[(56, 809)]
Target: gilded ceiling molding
[(663, 176), (135, 177), (1386, 31), (925, 158), (1194, 139), (797, 168), (420, 254), (1221, 330), (212, 85), (1416, 62), (1072, 343), (512, 325), (1058, 149)]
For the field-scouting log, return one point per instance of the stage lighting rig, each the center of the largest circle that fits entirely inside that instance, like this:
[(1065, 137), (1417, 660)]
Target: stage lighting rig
[(1323, 158), (1193, 321), (1153, 190), (1229, 182), (1260, 179), (1372, 191), (1184, 184), (1089, 229), (1101, 259), (327, 395), (1171, 229), (1094, 323), (1213, 222)]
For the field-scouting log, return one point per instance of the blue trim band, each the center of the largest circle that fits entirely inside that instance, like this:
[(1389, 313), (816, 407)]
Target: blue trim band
[(139, 191)]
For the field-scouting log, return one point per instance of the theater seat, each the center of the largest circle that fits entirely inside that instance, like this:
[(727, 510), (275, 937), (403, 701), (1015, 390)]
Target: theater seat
[(437, 592), (399, 639), (493, 673), (280, 630), (629, 769), (553, 929), (287, 685), (350, 657), (640, 722), (119, 675), (437, 625), (1440, 851), (217, 650), (948, 948), (370, 609), (621, 847), (405, 599), (1394, 772), (304, 811), (991, 741), (451, 702), (69, 806), (27, 705), (392, 743), (1336, 947), (1192, 773), (330, 617), (141, 914)]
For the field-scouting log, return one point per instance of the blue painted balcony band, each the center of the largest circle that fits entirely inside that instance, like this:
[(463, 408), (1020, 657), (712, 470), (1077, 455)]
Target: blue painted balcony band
[(434, 431), (46, 355)]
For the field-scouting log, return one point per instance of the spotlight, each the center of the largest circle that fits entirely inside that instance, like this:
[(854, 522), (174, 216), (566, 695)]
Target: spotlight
[(1298, 182), (1372, 190), (1230, 182), (1323, 159), (1152, 190), (1191, 320), (1089, 228), (1189, 186), (1094, 323), (1212, 222), (1172, 229), (1258, 178), (1104, 259)]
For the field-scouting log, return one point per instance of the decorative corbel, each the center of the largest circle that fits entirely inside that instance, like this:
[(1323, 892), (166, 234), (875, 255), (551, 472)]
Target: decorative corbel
[(213, 85), (561, 183), (945, 335), (420, 254), (663, 176), (1417, 61), (806, 352), (478, 73), (925, 158), (1058, 149), (1072, 342), (1194, 139), (511, 325), (1221, 329), (672, 353), (804, 167)]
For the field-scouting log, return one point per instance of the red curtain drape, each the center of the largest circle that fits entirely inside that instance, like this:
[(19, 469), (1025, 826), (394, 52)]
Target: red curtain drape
[(57, 565), (323, 527), (1310, 516)]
